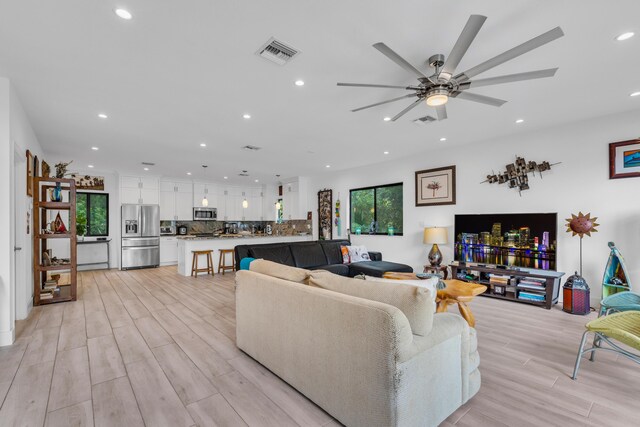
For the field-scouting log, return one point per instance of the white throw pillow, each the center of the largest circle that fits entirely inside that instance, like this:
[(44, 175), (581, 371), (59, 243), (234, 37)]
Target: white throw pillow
[(358, 253), (430, 283)]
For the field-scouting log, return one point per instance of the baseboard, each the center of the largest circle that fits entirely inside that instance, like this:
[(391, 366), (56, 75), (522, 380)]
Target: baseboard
[(7, 337)]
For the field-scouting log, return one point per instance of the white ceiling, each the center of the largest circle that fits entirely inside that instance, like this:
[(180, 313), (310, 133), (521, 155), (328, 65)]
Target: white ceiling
[(184, 72)]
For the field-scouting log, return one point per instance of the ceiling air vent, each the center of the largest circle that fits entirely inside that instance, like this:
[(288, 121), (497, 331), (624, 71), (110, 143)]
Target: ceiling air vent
[(424, 120), (148, 164), (243, 173), (251, 147), (276, 51)]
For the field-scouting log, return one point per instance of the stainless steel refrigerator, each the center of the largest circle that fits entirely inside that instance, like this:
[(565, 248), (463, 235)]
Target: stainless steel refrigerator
[(140, 236)]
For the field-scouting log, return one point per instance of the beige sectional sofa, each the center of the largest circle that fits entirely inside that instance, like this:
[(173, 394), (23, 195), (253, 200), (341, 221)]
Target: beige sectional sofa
[(363, 360)]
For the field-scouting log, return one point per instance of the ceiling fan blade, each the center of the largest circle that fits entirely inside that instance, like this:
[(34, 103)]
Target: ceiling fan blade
[(384, 102), (371, 85), (525, 47), (389, 53), (441, 111), (469, 33), (495, 102), (406, 110), (530, 75)]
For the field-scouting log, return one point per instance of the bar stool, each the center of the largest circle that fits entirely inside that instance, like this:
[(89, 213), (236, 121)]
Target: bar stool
[(222, 265), (194, 263)]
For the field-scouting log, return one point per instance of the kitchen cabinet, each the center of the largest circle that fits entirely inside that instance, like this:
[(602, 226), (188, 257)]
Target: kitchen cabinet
[(168, 250), (291, 201), (139, 190), (176, 201)]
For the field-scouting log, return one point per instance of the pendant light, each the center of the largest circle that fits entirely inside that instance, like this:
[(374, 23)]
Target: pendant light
[(245, 204), (277, 206), (205, 202)]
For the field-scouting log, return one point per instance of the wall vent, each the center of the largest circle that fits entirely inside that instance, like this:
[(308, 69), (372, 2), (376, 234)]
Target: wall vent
[(251, 147), (277, 52), (424, 120)]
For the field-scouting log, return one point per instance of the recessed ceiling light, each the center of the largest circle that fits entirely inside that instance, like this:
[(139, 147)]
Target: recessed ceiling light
[(443, 139), (124, 14), (520, 121), (103, 116), (95, 148), (146, 169), (203, 145), (256, 180), (386, 152), (386, 119), (625, 36), (299, 83), (246, 116), (89, 166), (327, 166), (188, 173), (225, 177), (634, 93)]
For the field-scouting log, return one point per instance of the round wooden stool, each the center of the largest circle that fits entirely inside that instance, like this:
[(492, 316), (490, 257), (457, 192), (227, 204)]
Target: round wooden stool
[(222, 262), (194, 263)]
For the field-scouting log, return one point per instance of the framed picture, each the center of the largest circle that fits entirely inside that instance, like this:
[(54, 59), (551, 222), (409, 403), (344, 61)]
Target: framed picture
[(624, 159), (436, 186), (325, 210), (29, 173), (87, 182)]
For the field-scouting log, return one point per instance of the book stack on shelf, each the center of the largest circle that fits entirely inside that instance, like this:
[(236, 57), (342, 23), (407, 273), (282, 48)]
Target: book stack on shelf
[(499, 283), (532, 289)]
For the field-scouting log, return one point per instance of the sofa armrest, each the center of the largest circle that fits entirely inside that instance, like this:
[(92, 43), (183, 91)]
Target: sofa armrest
[(375, 256)]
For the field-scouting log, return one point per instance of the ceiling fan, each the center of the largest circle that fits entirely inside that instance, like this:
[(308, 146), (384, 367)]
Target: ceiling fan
[(443, 84)]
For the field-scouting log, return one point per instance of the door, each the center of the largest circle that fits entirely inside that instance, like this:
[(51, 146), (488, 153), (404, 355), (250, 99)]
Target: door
[(149, 220), (23, 290), (130, 221)]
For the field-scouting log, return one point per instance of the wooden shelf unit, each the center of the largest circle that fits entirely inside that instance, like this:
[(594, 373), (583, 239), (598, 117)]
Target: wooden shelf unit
[(66, 291), (481, 274)]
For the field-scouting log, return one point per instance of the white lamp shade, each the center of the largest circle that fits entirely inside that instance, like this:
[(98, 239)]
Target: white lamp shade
[(435, 235)]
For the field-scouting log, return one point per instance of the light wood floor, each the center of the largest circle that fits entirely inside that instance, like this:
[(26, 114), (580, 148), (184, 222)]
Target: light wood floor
[(153, 348)]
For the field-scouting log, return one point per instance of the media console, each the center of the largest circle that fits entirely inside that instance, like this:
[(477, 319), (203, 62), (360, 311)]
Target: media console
[(530, 286)]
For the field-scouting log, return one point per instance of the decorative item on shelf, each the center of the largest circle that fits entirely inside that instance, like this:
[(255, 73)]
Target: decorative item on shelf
[(373, 227), (624, 159), (516, 174), (338, 220), (435, 236), (46, 169), (325, 224), (58, 225), (358, 231), (55, 193), (87, 182), (576, 290), (29, 174), (46, 257), (390, 230), (436, 186), (616, 277), (61, 169), (576, 295)]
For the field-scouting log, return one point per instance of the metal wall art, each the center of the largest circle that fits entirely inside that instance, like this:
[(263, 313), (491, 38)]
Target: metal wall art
[(516, 174), (325, 208)]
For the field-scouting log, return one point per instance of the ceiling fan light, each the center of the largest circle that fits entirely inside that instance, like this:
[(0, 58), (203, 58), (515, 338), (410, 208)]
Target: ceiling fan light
[(437, 99)]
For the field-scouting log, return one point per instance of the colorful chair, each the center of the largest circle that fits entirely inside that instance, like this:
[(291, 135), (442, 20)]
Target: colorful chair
[(623, 327), (622, 301)]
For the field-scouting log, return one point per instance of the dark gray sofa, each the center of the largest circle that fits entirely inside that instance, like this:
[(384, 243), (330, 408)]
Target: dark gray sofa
[(320, 254)]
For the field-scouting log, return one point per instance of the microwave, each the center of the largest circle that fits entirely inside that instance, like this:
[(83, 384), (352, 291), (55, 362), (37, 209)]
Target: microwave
[(205, 214)]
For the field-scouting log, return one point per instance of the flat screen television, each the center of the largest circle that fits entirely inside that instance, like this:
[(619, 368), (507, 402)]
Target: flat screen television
[(526, 240)]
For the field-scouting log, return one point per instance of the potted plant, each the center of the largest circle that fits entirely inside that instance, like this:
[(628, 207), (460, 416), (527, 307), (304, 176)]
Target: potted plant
[(81, 225)]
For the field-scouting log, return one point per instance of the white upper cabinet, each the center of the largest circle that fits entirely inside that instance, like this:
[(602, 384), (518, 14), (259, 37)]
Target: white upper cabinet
[(290, 201), (176, 200), (139, 190)]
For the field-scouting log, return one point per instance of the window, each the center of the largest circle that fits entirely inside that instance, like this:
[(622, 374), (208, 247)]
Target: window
[(378, 207), (92, 214)]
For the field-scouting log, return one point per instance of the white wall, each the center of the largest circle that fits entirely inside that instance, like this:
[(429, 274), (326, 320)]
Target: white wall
[(16, 136), (580, 183)]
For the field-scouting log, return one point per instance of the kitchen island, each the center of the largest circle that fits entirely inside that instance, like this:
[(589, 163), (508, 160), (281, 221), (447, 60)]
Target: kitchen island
[(187, 244)]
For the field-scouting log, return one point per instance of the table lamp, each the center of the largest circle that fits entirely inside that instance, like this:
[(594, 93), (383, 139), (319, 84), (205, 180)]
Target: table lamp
[(435, 236)]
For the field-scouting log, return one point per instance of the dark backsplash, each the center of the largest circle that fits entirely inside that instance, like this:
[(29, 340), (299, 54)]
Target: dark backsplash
[(286, 228)]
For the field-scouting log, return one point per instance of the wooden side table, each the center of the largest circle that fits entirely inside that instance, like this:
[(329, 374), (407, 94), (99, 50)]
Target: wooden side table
[(437, 269), (459, 292)]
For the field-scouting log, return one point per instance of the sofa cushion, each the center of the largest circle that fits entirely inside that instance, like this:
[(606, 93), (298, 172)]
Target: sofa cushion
[(341, 269), (377, 268), (415, 302), (276, 253), (358, 253), (332, 252), (280, 271), (308, 255)]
